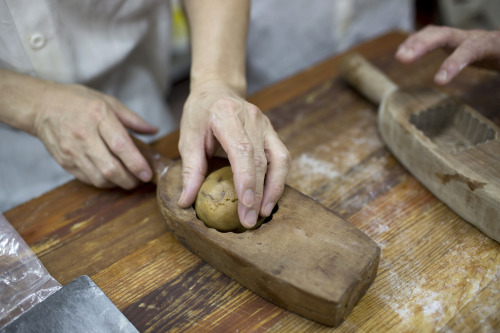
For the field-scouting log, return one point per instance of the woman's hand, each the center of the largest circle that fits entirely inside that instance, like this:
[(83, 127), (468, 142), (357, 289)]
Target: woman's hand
[(467, 47), (86, 133), (216, 114)]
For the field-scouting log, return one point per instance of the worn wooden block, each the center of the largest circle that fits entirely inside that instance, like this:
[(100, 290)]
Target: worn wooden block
[(306, 259), (448, 146)]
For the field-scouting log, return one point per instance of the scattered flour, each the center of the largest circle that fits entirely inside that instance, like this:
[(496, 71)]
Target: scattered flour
[(425, 302), (309, 165), (410, 296)]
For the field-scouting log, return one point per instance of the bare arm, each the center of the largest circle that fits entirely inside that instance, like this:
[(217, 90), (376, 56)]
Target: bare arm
[(216, 112)]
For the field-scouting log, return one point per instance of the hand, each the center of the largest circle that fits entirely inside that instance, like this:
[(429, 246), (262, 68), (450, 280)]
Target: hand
[(215, 113), (469, 46), (85, 131)]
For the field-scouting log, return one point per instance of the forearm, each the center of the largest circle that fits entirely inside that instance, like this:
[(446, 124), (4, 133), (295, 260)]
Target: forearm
[(218, 30), (18, 99)]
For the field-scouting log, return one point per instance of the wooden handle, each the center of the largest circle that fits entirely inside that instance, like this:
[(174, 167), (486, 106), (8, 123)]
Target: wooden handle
[(158, 162), (366, 78)]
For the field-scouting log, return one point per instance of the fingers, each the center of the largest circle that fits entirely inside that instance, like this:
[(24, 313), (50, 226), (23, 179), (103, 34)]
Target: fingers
[(106, 161), (255, 127), (118, 159), (469, 46), (67, 155), (234, 126), (477, 46), (128, 118), (113, 152), (83, 130), (85, 170), (89, 160), (426, 40), (453, 65), (279, 161)]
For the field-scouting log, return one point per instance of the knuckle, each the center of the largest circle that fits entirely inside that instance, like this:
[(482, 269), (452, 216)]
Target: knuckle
[(79, 132), (64, 162), (99, 181), (97, 109), (253, 111), (267, 121), (244, 147), (472, 45), (109, 171), (188, 171), (428, 29), (281, 157), (65, 148), (260, 161), (285, 158), (118, 145)]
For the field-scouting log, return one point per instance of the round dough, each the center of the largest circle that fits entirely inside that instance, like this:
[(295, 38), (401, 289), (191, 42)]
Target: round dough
[(217, 203)]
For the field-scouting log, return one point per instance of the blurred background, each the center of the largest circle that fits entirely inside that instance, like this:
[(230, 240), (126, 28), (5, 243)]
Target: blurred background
[(465, 14)]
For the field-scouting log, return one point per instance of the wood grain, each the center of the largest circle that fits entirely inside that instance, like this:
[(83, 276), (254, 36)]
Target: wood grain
[(436, 273), (304, 258)]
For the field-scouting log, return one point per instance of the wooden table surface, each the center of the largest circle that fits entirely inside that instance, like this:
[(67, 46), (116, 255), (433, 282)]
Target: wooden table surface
[(436, 271)]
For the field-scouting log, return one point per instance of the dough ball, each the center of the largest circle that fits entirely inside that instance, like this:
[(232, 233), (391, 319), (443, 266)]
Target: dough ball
[(217, 204)]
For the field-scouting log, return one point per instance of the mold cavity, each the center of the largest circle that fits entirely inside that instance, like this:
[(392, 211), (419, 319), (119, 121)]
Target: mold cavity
[(452, 126), (267, 219)]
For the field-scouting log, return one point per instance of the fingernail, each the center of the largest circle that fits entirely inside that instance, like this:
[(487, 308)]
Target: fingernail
[(269, 208), (248, 198), (144, 176), (441, 76), (251, 219), (405, 52)]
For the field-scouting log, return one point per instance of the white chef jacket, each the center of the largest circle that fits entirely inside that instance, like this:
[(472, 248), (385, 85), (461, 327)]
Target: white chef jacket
[(118, 47)]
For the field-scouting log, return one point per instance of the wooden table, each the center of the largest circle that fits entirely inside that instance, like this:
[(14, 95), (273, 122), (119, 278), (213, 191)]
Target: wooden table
[(436, 272)]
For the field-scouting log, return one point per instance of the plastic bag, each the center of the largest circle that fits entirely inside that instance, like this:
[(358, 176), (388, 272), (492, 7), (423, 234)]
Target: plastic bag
[(24, 281)]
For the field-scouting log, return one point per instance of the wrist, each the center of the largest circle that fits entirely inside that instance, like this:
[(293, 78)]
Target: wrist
[(236, 82), (20, 96)]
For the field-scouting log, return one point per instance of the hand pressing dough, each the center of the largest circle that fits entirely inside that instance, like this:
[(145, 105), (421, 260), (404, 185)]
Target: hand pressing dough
[(217, 203)]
